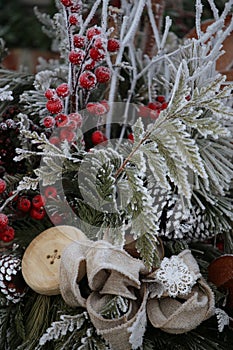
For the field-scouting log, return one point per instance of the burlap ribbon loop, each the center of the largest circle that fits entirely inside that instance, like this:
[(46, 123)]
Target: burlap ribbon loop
[(111, 271)]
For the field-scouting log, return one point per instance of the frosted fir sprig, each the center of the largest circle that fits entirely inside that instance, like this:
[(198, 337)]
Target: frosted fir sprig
[(222, 318), (60, 328), (6, 94)]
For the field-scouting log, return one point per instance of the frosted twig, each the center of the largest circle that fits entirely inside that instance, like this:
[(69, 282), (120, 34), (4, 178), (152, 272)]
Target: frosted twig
[(214, 9), (227, 9), (133, 28), (90, 16), (153, 24), (168, 23), (104, 15), (198, 18), (175, 87)]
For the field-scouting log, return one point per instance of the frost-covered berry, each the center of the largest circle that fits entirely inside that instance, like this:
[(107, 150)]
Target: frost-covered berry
[(54, 140), (103, 74), (61, 120), (50, 192), (77, 118), (2, 185), (37, 214), (105, 104), (131, 137), (90, 65), (76, 56), (49, 122), (49, 94), (154, 105), (87, 80), (38, 201), (3, 221), (99, 43), (8, 234), (97, 109), (92, 32), (96, 54), (54, 106), (161, 98), (63, 90), (67, 134), (67, 3), (24, 204), (79, 41), (73, 20), (113, 45), (98, 137)]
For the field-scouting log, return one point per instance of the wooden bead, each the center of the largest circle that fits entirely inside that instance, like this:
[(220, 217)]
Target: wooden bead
[(41, 260)]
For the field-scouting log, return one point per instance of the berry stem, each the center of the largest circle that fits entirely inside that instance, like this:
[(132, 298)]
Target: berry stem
[(8, 200)]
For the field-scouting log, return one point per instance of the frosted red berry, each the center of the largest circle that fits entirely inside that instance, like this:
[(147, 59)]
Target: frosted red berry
[(87, 80), (50, 192), (79, 41), (99, 43), (98, 137), (63, 90), (24, 204), (97, 109), (3, 221), (103, 74), (113, 45), (61, 120), (67, 134), (73, 20), (38, 201), (50, 93), (143, 111), (90, 65), (8, 234), (2, 185), (154, 105), (49, 122), (92, 32), (161, 98), (54, 140), (76, 56), (67, 3), (54, 106), (105, 104), (77, 118), (37, 214), (96, 54), (131, 137)]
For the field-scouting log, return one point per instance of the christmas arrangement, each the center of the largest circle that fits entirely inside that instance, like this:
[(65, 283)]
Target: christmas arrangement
[(116, 184)]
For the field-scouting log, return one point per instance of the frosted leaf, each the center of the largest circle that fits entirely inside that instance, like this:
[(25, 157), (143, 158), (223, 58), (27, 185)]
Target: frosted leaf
[(222, 318), (28, 183), (6, 95), (175, 276)]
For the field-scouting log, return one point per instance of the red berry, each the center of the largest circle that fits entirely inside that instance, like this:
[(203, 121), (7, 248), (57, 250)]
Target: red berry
[(154, 114), (96, 54), (37, 214), (61, 120), (79, 41), (54, 140), (105, 104), (24, 204), (98, 137), (54, 106), (143, 111), (131, 137), (63, 90), (161, 98), (103, 74), (76, 56), (38, 201), (66, 3), (8, 234), (2, 185), (73, 20), (50, 93), (113, 45), (90, 65), (164, 105), (49, 122), (99, 43), (67, 134), (50, 192), (93, 31), (87, 80), (3, 221), (77, 118), (75, 8), (154, 105), (96, 108)]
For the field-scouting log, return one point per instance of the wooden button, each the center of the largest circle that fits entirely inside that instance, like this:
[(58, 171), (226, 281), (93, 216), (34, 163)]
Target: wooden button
[(41, 260)]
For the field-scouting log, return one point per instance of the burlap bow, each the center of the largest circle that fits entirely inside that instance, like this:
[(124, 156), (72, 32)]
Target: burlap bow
[(107, 270)]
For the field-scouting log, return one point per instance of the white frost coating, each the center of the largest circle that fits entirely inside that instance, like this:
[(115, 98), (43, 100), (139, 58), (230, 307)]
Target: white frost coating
[(222, 318), (6, 95)]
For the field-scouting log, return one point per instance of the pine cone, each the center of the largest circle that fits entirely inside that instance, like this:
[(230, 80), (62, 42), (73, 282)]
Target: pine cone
[(12, 284)]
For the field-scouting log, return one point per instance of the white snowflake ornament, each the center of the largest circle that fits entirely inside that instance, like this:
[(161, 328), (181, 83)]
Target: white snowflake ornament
[(175, 276)]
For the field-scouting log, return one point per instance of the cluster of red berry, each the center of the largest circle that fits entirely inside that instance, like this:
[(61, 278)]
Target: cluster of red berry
[(153, 109)]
